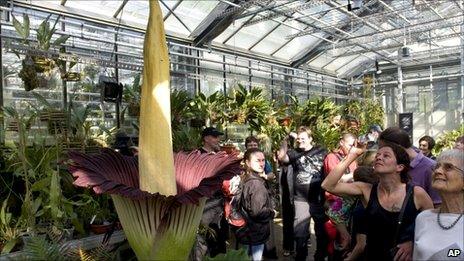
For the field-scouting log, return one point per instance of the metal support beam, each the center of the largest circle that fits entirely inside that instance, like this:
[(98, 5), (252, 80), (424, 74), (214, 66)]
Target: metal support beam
[(116, 74), (213, 25), (314, 52), (2, 119), (172, 10), (462, 74), (430, 124), (120, 8), (398, 92), (177, 17)]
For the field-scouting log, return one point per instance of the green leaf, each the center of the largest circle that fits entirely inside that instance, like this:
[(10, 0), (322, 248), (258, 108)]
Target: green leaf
[(26, 26), (61, 40), (72, 64), (41, 99), (230, 255), (41, 185), (9, 245), (22, 29), (55, 196)]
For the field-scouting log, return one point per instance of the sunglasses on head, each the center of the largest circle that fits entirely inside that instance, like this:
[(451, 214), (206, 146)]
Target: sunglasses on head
[(447, 167)]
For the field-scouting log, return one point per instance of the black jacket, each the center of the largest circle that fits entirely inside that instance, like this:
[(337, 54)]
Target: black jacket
[(256, 204)]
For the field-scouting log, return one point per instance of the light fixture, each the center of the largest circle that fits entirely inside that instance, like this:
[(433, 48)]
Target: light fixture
[(377, 68), (405, 51), (354, 4), (111, 90)]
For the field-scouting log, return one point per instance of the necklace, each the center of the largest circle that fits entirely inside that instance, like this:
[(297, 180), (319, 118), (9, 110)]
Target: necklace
[(450, 226)]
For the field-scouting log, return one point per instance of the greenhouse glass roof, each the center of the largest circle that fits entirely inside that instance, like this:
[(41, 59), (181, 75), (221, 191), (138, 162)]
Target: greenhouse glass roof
[(340, 37)]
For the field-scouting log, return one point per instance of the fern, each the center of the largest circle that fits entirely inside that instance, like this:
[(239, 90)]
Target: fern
[(39, 248)]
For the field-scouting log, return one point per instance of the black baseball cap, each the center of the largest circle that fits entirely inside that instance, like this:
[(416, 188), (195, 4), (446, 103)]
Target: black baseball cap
[(211, 131)]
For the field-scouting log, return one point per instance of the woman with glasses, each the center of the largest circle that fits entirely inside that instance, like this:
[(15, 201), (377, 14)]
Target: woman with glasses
[(439, 233), (387, 239)]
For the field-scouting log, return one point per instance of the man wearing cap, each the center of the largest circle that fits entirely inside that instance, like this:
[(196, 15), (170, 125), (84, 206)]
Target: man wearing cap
[(210, 139), (213, 216)]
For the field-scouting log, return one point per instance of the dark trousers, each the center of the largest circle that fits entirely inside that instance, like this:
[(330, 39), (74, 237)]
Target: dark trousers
[(303, 212), (322, 240), (301, 229), (288, 216)]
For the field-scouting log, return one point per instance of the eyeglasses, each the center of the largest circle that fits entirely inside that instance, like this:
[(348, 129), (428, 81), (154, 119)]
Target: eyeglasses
[(447, 167)]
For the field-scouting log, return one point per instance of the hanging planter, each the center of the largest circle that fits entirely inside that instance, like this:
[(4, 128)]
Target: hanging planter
[(71, 76), (42, 64)]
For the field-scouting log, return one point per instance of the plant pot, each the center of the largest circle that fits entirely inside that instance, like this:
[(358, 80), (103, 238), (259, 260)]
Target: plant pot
[(100, 229), (13, 126), (229, 148)]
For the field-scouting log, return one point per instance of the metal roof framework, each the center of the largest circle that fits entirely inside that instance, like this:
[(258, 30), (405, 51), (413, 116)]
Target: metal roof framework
[(339, 37)]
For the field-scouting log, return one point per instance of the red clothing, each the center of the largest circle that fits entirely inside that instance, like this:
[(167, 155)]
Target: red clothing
[(333, 159)]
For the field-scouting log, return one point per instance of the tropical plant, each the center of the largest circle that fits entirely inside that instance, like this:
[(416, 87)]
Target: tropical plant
[(209, 109), (368, 112), (131, 95), (52, 247), (447, 139), (185, 138), (180, 109), (160, 200), (10, 230), (23, 167), (248, 107), (34, 64), (317, 114)]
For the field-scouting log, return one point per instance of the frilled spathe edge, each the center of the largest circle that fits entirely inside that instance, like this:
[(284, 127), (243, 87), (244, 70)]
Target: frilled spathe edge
[(197, 175)]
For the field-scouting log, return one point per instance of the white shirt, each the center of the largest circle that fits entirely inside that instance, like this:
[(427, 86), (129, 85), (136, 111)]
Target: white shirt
[(431, 242)]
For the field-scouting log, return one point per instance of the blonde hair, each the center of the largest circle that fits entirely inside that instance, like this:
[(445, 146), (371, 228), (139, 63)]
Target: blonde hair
[(304, 129)]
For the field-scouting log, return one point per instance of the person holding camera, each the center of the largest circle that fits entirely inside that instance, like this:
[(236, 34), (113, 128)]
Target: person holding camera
[(391, 205)]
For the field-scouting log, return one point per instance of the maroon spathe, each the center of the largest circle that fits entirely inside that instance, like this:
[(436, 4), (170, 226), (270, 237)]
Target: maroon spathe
[(197, 175)]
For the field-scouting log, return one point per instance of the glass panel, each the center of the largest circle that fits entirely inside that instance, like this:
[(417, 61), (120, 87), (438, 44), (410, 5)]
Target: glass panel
[(230, 29), (249, 35), (236, 24), (193, 12), (136, 12), (273, 41), (296, 46), (350, 66), (335, 64), (106, 8), (173, 25)]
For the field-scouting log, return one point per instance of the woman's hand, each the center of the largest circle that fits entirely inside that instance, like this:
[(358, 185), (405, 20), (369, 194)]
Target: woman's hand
[(404, 252), (358, 150)]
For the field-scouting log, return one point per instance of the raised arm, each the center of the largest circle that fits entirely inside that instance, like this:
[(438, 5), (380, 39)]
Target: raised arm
[(282, 152), (332, 184)]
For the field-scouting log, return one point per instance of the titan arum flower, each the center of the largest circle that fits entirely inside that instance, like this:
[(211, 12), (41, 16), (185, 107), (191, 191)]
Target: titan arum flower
[(159, 197)]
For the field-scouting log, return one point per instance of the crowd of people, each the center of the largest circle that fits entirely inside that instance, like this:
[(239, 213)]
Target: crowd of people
[(376, 197)]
